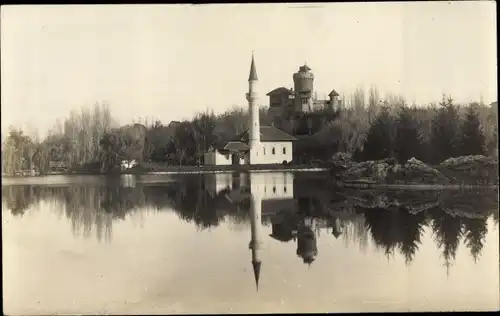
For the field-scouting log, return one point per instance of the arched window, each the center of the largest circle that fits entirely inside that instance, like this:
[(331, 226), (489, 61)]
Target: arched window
[(284, 150), (274, 189), (274, 152), (264, 149)]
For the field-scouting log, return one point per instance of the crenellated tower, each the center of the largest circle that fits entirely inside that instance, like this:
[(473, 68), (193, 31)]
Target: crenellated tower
[(304, 87)]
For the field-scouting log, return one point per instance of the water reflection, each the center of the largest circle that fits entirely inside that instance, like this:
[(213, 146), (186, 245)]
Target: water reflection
[(297, 207)]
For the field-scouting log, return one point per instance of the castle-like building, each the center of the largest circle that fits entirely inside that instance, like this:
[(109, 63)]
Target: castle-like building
[(302, 98)]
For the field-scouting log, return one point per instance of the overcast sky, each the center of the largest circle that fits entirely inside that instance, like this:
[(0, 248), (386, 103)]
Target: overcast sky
[(171, 61)]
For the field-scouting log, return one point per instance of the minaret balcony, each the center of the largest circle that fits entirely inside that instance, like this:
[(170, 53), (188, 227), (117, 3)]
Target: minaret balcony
[(251, 96)]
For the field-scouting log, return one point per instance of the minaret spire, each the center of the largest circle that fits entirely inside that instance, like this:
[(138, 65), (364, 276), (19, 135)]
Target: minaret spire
[(253, 71), (256, 272)]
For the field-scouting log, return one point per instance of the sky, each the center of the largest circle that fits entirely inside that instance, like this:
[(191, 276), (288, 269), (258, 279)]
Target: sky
[(170, 61)]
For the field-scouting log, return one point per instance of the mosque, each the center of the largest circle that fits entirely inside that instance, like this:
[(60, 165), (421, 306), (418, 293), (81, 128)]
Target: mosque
[(259, 145)]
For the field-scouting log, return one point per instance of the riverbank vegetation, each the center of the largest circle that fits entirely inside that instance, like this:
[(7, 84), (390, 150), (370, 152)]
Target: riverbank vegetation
[(91, 140)]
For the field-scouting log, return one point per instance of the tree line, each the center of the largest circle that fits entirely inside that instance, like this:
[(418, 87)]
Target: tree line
[(430, 133), (368, 128)]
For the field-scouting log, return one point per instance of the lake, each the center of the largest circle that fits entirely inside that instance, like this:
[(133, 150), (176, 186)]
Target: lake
[(243, 243)]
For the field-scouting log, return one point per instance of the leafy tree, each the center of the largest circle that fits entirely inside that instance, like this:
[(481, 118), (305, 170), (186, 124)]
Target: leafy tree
[(347, 132), (408, 141), (445, 133), (18, 150), (203, 130), (112, 146), (379, 141), (184, 143), (473, 141), (158, 138)]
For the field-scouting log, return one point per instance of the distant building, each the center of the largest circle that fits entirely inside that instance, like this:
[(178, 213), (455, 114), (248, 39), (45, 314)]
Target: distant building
[(286, 103), (259, 145), (128, 164)]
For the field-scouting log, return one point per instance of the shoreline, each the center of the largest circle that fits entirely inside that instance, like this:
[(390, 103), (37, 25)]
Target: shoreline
[(180, 170), (416, 186), (155, 169), (338, 184), (230, 171)]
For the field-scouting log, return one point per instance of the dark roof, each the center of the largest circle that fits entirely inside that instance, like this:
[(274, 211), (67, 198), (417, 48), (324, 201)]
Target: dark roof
[(333, 93), (280, 90), (273, 206), (319, 101), (282, 238), (253, 71), (269, 134), (232, 146), (305, 68)]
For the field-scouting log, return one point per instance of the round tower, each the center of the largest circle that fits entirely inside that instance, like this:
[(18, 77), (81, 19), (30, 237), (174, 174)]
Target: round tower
[(304, 86), (307, 247), (303, 79)]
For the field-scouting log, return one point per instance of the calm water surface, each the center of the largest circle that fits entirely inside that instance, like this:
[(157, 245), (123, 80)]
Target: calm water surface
[(241, 243)]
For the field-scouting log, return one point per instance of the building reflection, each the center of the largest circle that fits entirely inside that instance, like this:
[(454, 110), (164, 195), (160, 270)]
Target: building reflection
[(271, 196), (267, 193)]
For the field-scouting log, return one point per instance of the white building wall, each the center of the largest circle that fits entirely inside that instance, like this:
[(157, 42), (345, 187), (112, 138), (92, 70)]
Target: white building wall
[(264, 153), (222, 160), (272, 185), (215, 158), (263, 185), (209, 158)]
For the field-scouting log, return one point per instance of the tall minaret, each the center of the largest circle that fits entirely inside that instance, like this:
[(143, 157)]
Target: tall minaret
[(253, 108), (256, 226)]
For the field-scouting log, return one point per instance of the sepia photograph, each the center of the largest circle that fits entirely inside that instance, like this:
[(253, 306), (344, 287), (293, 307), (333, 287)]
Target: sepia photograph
[(249, 158)]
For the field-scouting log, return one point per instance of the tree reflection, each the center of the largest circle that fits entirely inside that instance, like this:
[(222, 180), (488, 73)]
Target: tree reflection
[(475, 230), (382, 225), (18, 199), (447, 231), (395, 221)]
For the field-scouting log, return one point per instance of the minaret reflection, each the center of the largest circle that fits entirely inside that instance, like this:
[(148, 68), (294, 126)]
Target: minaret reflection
[(256, 223), (270, 195)]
